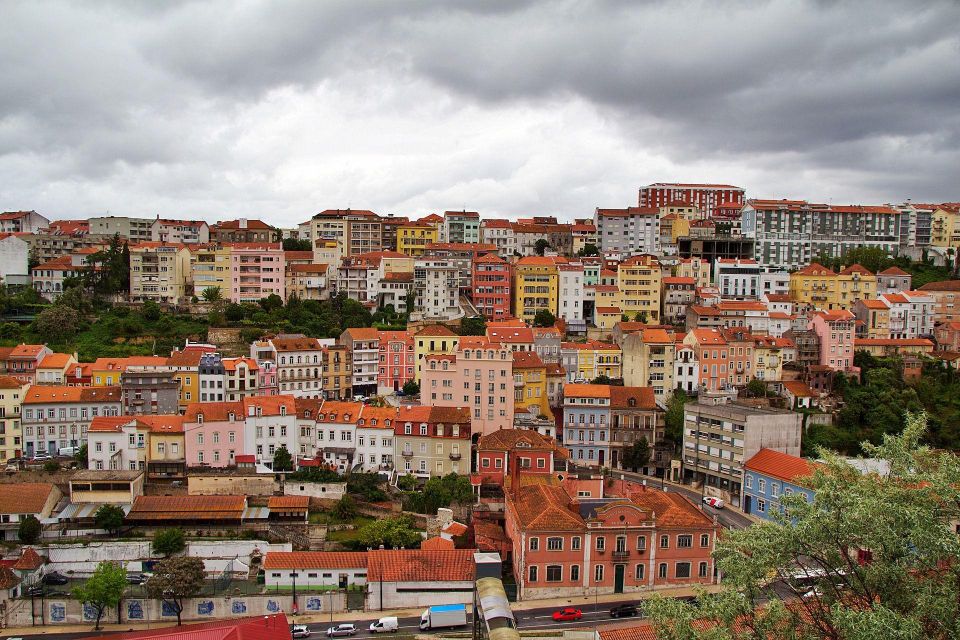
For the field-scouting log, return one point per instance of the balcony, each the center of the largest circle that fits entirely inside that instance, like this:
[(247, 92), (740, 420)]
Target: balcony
[(621, 554), (407, 454), (454, 456)]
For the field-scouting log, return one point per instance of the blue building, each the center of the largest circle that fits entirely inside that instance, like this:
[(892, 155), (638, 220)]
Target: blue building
[(768, 476)]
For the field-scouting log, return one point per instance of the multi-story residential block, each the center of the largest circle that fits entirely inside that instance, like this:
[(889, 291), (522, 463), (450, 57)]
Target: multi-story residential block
[(185, 364), (12, 393), (214, 433), (491, 287), (125, 442), (500, 234), (269, 424), (916, 224), (570, 296), (160, 272), (257, 270), (397, 361), (244, 231), (696, 268), (586, 418), (55, 417), (623, 539), (267, 378), (883, 348), (436, 283), (210, 267), (212, 378), (22, 222), (768, 357), (374, 446), (530, 385), (635, 416), (893, 280), (503, 455), (769, 476), (911, 314), (49, 277), (873, 318), (737, 279), (686, 369), (367, 278), (390, 226), (947, 335), (135, 230), (790, 234), (56, 243), (820, 287), (945, 226), (946, 296), (433, 339), (299, 362), (180, 231), (596, 358), (584, 232), (648, 361), (678, 293), (711, 351), (432, 441), (22, 361), (546, 343), (527, 232), (149, 391), (337, 372), (834, 330), (364, 346), (477, 374), (461, 226), (628, 231), (719, 438), (228, 379), (356, 231), (705, 197), (535, 287), (462, 255), (640, 281), (513, 334), (337, 433), (413, 238)]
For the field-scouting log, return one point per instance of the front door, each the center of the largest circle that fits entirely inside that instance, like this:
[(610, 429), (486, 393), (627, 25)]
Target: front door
[(746, 504), (618, 578), (600, 453)]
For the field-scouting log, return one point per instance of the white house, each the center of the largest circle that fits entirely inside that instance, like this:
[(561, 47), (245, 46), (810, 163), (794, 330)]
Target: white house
[(270, 423), (312, 569), (14, 256)]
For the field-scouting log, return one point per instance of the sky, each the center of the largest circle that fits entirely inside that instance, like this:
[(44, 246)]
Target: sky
[(276, 110)]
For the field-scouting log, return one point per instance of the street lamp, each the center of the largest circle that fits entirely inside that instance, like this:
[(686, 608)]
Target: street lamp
[(294, 609)]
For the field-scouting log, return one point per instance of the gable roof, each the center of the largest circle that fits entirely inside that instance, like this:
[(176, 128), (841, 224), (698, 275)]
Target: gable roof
[(24, 497), (51, 394), (170, 508), (542, 507), (421, 565), (777, 464), (315, 560)]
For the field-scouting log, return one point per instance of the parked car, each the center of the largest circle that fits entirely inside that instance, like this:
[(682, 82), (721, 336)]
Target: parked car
[(343, 629), (567, 614), (35, 590), (42, 456), (710, 501), (12, 467), (625, 611), (55, 578), (300, 631), (135, 578)]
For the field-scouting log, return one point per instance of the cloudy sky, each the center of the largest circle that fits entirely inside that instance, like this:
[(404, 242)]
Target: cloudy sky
[(277, 110)]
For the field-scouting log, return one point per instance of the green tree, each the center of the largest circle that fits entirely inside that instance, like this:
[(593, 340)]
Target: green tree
[(81, 456), (174, 580), (885, 545), (756, 388), (109, 517), (410, 301), (393, 533), (540, 246), (345, 509), (295, 244), (474, 326), (641, 316), (589, 249), (103, 589), (440, 492), (29, 530), (169, 541), (367, 486), (212, 294), (674, 416), (234, 312), (602, 379), (637, 455), (282, 460), (51, 466), (273, 302), (411, 388), (151, 311), (543, 318), (57, 324)]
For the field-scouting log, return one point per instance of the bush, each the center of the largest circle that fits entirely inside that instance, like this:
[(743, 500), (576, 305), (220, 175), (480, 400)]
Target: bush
[(169, 542), (51, 466), (151, 311), (29, 530)]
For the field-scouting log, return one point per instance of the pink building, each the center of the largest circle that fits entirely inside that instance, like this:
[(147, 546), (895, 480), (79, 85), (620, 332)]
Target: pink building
[(835, 331), (22, 361), (267, 378), (478, 375), (214, 433), (257, 270), (397, 361)]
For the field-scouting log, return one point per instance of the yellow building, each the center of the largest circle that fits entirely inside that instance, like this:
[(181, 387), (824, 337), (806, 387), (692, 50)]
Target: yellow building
[(673, 226), (595, 358), (413, 237), (186, 368), (535, 280), (210, 267), (696, 268), (435, 339), (821, 287), (11, 397), (606, 318), (106, 372), (639, 279), (768, 357), (684, 210), (530, 384), (873, 318), (166, 457), (160, 272), (648, 361), (945, 226)]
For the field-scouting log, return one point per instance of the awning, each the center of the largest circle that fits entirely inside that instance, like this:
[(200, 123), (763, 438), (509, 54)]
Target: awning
[(83, 510), (256, 513)]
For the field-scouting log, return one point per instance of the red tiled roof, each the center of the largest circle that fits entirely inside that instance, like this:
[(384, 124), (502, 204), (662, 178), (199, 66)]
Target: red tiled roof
[(29, 560), (777, 464), (417, 565), (24, 497), (288, 502), (815, 269), (892, 342), (169, 508), (526, 360), (455, 528), (55, 361), (856, 268), (437, 544), (541, 507), (435, 330), (942, 285), (214, 411), (46, 394), (893, 271), (799, 389)]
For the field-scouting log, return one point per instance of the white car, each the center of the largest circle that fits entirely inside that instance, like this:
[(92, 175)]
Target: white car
[(710, 501), (344, 629), (300, 631)]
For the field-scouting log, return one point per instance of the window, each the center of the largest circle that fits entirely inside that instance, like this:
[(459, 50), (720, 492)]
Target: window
[(662, 570), (534, 544), (705, 540), (761, 506), (702, 572), (641, 543), (684, 542), (601, 543), (774, 489), (554, 573), (638, 572), (683, 570), (575, 543), (761, 485), (554, 544), (532, 574), (664, 542), (574, 572), (598, 573), (749, 481)]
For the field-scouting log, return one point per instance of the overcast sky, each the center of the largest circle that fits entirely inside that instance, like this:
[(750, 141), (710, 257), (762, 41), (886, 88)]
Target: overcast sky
[(276, 110)]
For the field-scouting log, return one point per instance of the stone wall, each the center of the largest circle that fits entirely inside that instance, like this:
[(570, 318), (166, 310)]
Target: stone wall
[(231, 485)]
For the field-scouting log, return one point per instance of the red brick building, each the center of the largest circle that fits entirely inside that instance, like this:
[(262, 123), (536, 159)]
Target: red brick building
[(705, 197), (491, 292), (397, 361), (504, 454)]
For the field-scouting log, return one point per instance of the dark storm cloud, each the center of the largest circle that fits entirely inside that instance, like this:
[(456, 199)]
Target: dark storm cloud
[(510, 107)]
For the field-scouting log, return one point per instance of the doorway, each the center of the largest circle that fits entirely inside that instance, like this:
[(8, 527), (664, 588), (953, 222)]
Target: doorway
[(618, 572)]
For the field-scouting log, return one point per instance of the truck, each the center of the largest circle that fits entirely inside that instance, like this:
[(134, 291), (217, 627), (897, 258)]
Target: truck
[(444, 615)]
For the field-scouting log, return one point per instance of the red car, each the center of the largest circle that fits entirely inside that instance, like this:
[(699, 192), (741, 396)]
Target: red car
[(567, 614)]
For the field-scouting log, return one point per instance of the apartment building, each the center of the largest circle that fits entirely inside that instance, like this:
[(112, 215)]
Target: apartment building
[(244, 231), (893, 280), (58, 416), (946, 296), (337, 372), (686, 369), (22, 222), (433, 339), (570, 296), (696, 268), (436, 283), (299, 361), (149, 391), (530, 385), (500, 234), (873, 318), (639, 279), (462, 255), (214, 433), (390, 226), (211, 267), (159, 272), (678, 293), (336, 437), (356, 231), (375, 450), (507, 453), (737, 279), (126, 442), (535, 286), (584, 232), (12, 393), (911, 314), (945, 226), (820, 287), (135, 230), (308, 281), (413, 238), (397, 361), (719, 438), (492, 286), (628, 231), (258, 270), (705, 197), (461, 226), (57, 244), (432, 441), (916, 224), (179, 231), (648, 361), (364, 346), (835, 333), (22, 361)]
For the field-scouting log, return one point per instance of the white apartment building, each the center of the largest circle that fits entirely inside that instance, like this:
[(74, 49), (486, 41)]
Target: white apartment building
[(570, 298), (159, 272), (270, 423), (59, 416), (180, 231), (911, 314), (628, 231), (437, 285), (299, 362), (133, 229)]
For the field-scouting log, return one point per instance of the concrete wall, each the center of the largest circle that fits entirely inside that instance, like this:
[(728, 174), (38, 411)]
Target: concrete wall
[(328, 491), (227, 485), (411, 595)]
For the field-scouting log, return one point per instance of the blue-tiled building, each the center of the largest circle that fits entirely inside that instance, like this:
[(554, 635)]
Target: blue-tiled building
[(768, 476)]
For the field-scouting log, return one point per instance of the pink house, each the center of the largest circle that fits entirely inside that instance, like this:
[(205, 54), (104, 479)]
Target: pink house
[(257, 270), (267, 378), (397, 361), (478, 375), (213, 433), (835, 331)]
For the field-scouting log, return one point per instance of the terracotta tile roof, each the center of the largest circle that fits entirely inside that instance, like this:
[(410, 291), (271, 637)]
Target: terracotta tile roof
[(308, 268), (289, 502), (253, 225), (609, 310), (270, 405), (520, 440), (640, 397), (741, 305), (186, 358), (679, 280), (779, 297), (363, 333), (799, 389), (29, 560), (119, 364), (892, 342), (214, 411), (893, 271), (168, 508), (417, 565), (24, 497), (230, 364), (378, 417), (541, 507), (511, 335), (296, 344), (109, 424), (837, 315), (315, 560), (432, 416), (55, 361), (526, 360), (586, 390), (455, 528), (555, 369), (942, 285), (437, 544), (776, 464), (9, 382), (874, 304), (49, 394), (708, 337), (8, 579), (435, 330), (340, 412), (815, 269), (26, 351)]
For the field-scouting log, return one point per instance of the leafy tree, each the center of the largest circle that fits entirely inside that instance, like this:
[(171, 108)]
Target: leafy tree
[(57, 324), (51, 467), (234, 312), (81, 456), (756, 389), (10, 331), (169, 541), (345, 509), (589, 249), (602, 379), (151, 311), (76, 298), (109, 517), (440, 492), (641, 316), (366, 486), (282, 460), (390, 532), (295, 244), (885, 545), (674, 416), (273, 302), (174, 580), (544, 318), (541, 246), (475, 326), (108, 271), (212, 294), (29, 530), (637, 455), (103, 589), (315, 474), (411, 388), (410, 301)]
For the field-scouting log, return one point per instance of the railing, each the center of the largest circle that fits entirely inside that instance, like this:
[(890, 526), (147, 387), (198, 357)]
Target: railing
[(621, 554), (454, 456)]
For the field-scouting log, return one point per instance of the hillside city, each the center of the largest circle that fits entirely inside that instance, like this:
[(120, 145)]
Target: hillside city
[(372, 423)]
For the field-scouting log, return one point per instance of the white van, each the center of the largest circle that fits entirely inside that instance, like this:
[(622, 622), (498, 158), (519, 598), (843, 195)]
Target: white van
[(383, 625), (67, 451)]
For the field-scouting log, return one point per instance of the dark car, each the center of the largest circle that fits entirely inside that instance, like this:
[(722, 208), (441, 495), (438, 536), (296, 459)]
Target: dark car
[(35, 590), (55, 578), (625, 611)]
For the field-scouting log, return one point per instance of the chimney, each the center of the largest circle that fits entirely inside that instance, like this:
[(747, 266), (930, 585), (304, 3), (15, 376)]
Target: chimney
[(243, 223)]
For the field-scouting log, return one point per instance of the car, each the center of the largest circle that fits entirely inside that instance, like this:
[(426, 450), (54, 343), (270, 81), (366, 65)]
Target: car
[(625, 611), (710, 501), (42, 456), (55, 578), (135, 578), (567, 614), (343, 629), (35, 590), (300, 631), (12, 467)]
